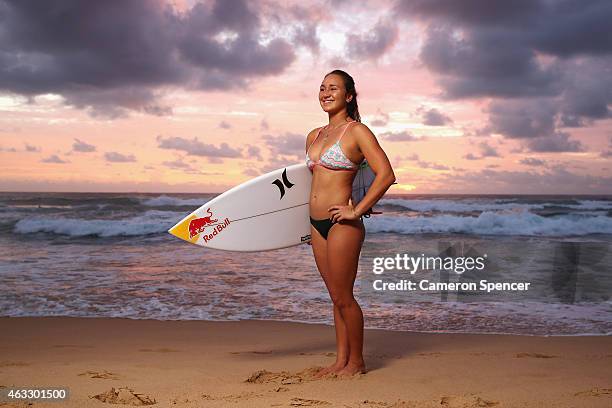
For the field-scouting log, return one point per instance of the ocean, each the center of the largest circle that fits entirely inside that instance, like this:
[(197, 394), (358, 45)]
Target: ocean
[(109, 255)]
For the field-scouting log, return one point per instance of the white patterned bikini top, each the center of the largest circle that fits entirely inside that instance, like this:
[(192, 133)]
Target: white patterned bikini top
[(334, 158)]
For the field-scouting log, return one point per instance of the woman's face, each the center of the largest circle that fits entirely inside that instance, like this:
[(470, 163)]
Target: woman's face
[(332, 95)]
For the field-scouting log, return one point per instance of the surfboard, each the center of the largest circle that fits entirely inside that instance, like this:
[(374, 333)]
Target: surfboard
[(265, 213)]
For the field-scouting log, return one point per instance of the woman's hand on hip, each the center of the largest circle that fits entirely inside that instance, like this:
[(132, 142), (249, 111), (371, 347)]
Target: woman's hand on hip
[(342, 212)]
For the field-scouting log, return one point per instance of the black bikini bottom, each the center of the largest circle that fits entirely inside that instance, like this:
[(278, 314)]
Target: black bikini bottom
[(322, 226)]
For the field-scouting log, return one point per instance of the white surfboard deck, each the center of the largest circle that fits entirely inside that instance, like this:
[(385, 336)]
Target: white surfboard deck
[(265, 213)]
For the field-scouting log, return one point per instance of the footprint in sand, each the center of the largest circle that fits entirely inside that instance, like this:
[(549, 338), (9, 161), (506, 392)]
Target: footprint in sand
[(181, 400), (106, 375), (287, 378), (302, 402), (124, 396), (534, 355), (232, 397), (373, 404), (595, 392), (284, 377), (470, 400)]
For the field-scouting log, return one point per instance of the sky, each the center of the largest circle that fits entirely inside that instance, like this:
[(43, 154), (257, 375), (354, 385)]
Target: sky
[(470, 97)]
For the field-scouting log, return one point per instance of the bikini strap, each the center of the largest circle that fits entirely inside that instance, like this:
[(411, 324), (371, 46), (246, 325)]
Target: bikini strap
[(315, 139), (346, 127)]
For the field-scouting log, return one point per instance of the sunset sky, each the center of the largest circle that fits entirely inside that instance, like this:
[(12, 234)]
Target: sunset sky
[(184, 96)]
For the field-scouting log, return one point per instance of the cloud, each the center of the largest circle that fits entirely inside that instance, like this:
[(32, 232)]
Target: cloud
[(214, 160), (8, 149), (30, 148), (305, 35), (285, 150), (560, 28), (288, 144), (263, 125), (374, 43), (431, 165), (381, 119), (546, 64), (534, 121), (402, 136), (251, 172), (476, 12), (177, 164), (118, 157), (254, 152), (588, 92), (470, 156), (477, 66), (558, 142), (522, 118), (181, 164), (42, 183), (53, 159), (276, 162), (556, 180), (80, 146), (195, 147), (487, 151), (224, 125), (71, 48), (532, 161), (433, 117), (414, 159)]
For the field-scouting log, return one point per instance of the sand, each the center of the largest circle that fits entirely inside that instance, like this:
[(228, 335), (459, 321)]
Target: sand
[(110, 361)]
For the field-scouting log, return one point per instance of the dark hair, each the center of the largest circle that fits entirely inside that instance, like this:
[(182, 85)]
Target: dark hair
[(349, 84)]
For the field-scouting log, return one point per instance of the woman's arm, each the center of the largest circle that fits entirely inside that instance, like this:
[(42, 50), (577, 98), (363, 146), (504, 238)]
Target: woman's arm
[(378, 161), (309, 139)]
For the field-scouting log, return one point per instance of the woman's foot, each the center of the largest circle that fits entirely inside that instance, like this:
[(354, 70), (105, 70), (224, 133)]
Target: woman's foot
[(332, 369), (351, 369)]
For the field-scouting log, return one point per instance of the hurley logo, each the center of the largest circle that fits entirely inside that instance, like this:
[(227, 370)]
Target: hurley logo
[(282, 184)]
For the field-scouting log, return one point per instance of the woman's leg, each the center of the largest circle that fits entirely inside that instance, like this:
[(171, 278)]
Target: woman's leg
[(319, 248), (344, 243)]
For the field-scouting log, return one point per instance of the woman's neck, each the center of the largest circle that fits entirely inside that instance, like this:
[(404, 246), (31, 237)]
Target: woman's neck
[(338, 120)]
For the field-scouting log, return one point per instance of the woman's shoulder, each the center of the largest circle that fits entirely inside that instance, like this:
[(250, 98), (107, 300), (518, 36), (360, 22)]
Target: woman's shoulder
[(359, 130), (312, 134), (360, 126)]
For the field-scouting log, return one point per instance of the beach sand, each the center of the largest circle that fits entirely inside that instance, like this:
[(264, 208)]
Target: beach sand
[(269, 364)]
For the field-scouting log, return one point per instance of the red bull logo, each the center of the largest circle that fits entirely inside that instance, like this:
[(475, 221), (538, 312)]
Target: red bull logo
[(193, 227), (197, 225), (218, 228)]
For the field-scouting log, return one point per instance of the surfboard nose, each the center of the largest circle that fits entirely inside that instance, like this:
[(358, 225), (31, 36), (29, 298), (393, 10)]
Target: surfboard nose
[(181, 230)]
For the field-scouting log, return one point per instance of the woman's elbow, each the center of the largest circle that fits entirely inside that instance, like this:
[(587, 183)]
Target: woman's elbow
[(387, 176), (390, 178)]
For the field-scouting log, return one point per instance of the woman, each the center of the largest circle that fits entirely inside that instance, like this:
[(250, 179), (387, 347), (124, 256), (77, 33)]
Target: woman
[(333, 154)]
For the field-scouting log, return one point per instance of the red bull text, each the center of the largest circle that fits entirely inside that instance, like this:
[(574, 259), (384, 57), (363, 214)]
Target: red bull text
[(217, 230)]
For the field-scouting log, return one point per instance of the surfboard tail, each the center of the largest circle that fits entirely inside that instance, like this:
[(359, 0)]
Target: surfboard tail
[(361, 184)]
